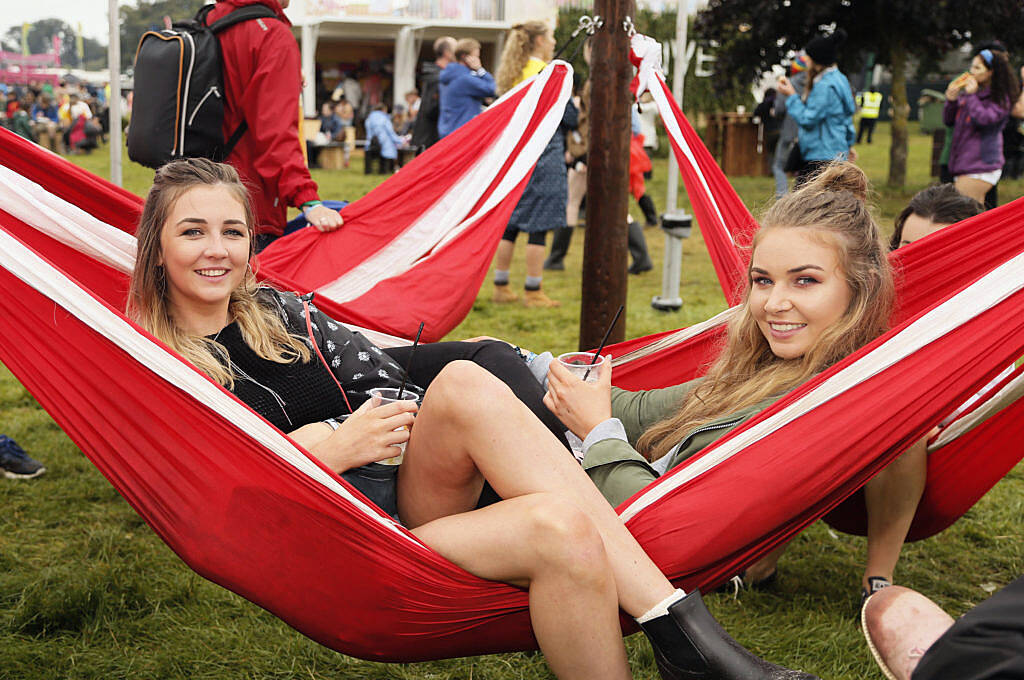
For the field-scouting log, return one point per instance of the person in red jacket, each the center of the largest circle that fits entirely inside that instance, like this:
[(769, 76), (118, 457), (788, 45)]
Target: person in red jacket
[(262, 83)]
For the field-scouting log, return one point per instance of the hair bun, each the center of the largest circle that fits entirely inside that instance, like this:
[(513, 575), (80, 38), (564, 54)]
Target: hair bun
[(840, 176), (839, 37)]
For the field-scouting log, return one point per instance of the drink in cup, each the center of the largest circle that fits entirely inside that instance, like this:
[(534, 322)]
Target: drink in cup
[(579, 362), (390, 395)]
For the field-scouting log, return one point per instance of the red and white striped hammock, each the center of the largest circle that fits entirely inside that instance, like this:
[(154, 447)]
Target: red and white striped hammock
[(728, 229), (245, 507)]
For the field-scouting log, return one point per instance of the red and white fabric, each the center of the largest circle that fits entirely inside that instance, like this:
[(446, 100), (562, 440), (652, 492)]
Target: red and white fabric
[(248, 509)]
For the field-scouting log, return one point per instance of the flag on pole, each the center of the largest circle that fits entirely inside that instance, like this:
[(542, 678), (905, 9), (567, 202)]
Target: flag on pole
[(24, 38)]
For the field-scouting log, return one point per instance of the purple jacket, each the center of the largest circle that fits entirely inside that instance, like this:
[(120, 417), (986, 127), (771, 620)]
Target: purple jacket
[(977, 123)]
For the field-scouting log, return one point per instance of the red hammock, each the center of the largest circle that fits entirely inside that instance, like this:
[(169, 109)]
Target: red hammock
[(414, 249), (244, 507), (728, 229)]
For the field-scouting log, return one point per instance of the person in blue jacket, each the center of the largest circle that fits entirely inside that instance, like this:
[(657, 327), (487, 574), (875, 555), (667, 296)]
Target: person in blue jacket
[(382, 140), (465, 85), (825, 110)]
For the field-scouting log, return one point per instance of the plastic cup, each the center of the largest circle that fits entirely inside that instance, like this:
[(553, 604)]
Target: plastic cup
[(389, 395), (578, 364)]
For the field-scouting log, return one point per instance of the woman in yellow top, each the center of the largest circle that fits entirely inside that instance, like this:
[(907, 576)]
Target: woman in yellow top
[(528, 48)]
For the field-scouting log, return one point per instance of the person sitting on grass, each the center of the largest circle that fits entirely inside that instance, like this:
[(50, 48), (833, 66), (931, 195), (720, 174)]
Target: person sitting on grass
[(549, 532), (819, 288)]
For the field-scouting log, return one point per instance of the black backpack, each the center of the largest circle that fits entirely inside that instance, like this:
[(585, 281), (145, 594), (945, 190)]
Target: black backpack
[(178, 106)]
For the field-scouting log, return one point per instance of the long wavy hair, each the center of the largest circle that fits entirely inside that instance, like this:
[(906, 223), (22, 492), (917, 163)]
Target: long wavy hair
[(519, 44), (148, 305), (833, 204), (1003, 86)]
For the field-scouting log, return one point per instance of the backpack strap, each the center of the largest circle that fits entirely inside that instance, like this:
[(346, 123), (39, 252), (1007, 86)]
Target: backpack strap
[(256, 11)]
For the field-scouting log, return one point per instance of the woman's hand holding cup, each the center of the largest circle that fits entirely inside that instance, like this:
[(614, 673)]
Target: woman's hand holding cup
[(371, 434), (581, 406)]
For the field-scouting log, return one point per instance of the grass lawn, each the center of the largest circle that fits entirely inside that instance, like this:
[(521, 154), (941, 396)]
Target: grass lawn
[(88, 591)]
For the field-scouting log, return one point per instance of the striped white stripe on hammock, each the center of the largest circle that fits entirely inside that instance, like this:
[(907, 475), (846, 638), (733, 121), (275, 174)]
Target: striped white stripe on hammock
[(450, 217), (981, 295)]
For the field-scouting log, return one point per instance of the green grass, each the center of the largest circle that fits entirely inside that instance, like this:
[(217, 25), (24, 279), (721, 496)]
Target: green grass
[(88, 591)]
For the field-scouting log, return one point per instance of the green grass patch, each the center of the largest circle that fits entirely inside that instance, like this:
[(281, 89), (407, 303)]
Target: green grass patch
[(88, 591)]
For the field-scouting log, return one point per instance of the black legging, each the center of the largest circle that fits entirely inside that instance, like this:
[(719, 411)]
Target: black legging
[(497, 357)]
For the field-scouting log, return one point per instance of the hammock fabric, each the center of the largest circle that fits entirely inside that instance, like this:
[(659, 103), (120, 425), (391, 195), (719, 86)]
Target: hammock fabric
[(416, 248), (246, 508), (728, 230)]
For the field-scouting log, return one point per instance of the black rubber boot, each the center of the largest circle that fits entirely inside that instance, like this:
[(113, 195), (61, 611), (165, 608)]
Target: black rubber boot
[(559, 249), (638, 250), (689, 644), (646, 204)]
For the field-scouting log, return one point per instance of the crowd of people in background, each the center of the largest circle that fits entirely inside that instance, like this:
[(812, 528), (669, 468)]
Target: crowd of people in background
[(65, 118)]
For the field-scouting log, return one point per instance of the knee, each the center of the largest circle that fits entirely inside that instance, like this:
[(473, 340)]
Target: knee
[(565, 539), (463, 387)]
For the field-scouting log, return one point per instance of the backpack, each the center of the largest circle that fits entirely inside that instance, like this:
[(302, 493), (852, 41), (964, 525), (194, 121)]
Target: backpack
[(178, 107)]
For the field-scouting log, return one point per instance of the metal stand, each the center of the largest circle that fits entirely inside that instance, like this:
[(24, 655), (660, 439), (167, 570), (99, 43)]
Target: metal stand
[(676, 226)]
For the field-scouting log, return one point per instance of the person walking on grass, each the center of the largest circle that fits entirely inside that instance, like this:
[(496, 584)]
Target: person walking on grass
[(15, 463), (528, 48)]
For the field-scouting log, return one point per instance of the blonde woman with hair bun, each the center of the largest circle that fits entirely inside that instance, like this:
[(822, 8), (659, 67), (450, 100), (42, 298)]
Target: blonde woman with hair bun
[(819, 288), (528, 48)]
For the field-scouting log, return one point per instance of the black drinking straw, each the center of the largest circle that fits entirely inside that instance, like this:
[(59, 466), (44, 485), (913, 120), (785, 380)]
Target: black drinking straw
[(408, 364), (603, 341)]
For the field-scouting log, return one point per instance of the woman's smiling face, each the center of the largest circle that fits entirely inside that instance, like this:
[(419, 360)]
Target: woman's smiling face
[(204, 250), (797, 289)]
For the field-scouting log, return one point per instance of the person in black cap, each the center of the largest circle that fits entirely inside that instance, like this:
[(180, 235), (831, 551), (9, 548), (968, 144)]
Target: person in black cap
[(825, 110)]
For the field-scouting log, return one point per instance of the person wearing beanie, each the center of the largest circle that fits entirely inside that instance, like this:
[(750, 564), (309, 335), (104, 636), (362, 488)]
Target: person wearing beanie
[(824, 112)]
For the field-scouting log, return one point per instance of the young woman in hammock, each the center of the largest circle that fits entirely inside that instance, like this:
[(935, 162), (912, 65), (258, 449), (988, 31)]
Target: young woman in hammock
[(553, 533), (820, 287)]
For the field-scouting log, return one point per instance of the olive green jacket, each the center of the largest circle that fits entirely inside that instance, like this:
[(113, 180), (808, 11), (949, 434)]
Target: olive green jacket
[(616, 467)]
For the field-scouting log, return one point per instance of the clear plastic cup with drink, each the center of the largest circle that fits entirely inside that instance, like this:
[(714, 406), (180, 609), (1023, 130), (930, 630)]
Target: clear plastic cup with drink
[(389, 395), (582, 364)]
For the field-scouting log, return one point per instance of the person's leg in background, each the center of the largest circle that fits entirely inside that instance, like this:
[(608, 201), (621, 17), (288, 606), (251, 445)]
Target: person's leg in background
[(782, 150), (534, 296), (502, 265), (577, 178), (637, 247)]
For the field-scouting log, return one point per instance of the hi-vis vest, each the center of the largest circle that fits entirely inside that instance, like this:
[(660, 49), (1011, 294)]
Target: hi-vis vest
[(871, 104)]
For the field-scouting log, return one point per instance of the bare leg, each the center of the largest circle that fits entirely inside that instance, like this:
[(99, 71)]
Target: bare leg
[(534, 260), (548, 545), (970, 186), (765, 566), (472, 427), (891, 499), (503, 259)]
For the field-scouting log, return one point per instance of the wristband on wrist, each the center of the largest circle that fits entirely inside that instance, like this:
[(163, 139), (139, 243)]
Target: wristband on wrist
[(332, 423), (310, 204)]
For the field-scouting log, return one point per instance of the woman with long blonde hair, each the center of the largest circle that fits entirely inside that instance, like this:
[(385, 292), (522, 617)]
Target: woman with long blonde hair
[(549, 530), (528, 48), (819, 288)]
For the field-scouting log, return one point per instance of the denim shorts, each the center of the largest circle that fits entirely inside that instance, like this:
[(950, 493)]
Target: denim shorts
[(379, 483)]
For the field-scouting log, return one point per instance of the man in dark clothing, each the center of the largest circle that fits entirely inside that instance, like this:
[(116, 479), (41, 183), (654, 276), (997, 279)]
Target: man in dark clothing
[(262, 83), (424, 132)]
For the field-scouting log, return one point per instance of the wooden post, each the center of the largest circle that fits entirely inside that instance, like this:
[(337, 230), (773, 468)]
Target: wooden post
[(604, 247)]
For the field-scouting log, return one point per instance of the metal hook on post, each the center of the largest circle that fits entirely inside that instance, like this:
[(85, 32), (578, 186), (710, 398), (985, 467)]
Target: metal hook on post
[(586, 24), (628, 27)]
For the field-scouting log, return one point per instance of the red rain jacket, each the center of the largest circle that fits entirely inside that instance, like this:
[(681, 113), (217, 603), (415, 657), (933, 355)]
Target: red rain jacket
[(262, 83)]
